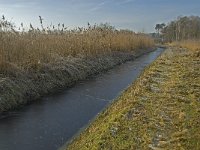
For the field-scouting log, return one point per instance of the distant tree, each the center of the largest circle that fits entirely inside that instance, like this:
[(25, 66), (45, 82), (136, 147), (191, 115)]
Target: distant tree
[(182, 28), (159, 27)]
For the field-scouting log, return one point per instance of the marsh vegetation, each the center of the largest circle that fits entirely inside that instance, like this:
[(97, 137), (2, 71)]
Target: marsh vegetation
[(30, 48), (37, 61)]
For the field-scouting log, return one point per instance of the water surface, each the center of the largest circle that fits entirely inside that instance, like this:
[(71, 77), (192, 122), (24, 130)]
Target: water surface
[(47, 124)]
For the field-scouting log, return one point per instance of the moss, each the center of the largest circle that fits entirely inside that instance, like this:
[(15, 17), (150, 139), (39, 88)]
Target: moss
[(159, 111)]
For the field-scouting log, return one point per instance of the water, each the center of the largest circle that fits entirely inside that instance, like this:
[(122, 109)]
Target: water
[(49, 123)]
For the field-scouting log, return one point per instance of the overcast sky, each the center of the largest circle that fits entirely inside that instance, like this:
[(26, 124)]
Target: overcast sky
[(137, 15)]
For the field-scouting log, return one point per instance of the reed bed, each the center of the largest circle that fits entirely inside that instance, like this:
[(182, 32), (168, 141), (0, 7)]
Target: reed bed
[(37, 61), (31, 48), (193, 45)]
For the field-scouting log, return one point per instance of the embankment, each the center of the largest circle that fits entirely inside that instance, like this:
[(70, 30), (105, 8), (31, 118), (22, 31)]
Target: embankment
[(18, 88), (159, 111)]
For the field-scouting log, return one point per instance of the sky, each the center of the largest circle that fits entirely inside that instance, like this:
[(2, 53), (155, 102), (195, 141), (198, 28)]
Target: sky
[(137, 15)]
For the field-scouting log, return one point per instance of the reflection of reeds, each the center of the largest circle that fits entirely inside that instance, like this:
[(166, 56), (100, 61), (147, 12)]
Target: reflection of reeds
[(27, 49)]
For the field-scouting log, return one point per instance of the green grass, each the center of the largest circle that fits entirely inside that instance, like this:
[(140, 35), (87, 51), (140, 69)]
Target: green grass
[(161, 110)]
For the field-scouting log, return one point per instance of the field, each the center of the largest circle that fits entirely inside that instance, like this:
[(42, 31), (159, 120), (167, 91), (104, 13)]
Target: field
[(159, 111)]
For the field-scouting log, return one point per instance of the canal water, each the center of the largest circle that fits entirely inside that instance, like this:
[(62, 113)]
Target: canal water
[(47, 124)]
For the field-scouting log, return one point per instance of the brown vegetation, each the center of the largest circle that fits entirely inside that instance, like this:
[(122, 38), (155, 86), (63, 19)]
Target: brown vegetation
[(30, 49), (39, 61), (193, 45)]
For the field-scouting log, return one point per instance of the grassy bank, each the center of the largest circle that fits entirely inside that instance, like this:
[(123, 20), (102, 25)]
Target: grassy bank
[(35, 62), (159, 111)]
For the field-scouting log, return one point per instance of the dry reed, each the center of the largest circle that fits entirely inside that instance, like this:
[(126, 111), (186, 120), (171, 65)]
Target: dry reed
[(193, 45), (29, 49)]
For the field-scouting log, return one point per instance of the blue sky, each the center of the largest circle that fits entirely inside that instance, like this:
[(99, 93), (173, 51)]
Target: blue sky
[(137, 15)]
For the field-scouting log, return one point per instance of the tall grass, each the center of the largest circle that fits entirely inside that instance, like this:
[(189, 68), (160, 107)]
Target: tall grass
[(193, 45), (33, 47)]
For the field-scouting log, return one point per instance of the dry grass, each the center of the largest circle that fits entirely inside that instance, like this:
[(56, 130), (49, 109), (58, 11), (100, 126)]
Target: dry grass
[(193, 45), (160, 111), (31, 49), (35, 62)]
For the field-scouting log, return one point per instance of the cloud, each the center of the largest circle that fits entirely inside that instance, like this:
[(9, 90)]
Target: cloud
[(121, 2), (105, 2), (98, 6), (19, 4)]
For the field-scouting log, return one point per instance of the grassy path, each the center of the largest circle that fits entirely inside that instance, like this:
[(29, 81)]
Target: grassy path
[(161, 110)]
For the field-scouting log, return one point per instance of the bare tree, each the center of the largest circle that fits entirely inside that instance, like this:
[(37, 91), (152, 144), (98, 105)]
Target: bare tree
[(182, 28)]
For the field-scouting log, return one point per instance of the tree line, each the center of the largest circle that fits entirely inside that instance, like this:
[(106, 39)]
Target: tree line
[(183, 28)]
